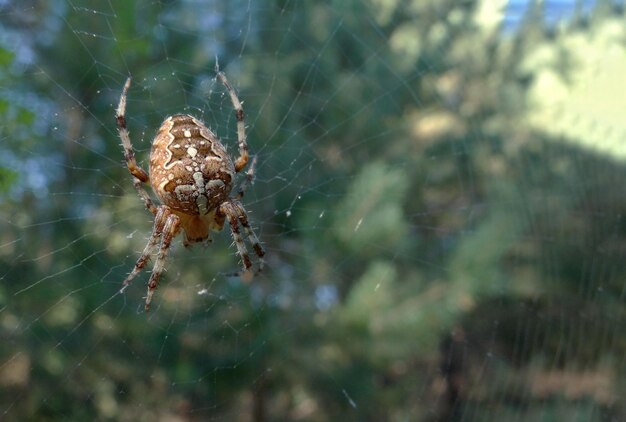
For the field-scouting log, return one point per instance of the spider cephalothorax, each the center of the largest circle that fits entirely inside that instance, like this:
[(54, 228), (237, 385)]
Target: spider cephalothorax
[(192, 175)]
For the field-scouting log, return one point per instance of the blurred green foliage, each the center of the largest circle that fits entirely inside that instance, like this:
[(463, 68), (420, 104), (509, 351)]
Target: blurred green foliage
[(414, 164)]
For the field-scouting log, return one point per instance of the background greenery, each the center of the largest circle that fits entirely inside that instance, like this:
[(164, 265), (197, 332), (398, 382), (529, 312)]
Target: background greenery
[(442, 202)]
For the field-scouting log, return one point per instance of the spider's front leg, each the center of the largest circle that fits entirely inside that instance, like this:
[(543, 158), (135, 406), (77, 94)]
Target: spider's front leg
[(229, 209), (234, 211), (157, 230), (170, 230)]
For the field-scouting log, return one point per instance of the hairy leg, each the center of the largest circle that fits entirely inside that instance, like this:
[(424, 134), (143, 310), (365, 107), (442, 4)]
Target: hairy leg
[(170, 230), (242, 160), (157, 230), (139, 175)]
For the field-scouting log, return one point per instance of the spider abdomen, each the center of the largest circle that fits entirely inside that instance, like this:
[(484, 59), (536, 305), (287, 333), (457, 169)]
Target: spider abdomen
[(189, 168)]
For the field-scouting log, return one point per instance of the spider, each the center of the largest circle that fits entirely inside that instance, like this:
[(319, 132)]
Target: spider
[(192, 175)]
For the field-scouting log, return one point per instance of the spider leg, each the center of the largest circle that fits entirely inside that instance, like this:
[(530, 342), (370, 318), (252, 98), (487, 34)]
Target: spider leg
[(140, 175), (254, 240), (228, 208), (142, 261), (170, 230), (248, 180), (242, 160), (236, 215)]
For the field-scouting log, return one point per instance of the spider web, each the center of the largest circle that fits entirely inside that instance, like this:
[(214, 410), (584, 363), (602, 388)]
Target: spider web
[(438, 190)]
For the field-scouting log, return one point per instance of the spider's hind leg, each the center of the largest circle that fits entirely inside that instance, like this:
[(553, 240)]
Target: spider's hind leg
[(139, 175), (248, 180), (242, 160)]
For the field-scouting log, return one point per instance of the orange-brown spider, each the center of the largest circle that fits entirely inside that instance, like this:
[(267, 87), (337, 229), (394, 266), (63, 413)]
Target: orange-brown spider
[(192, 175)]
